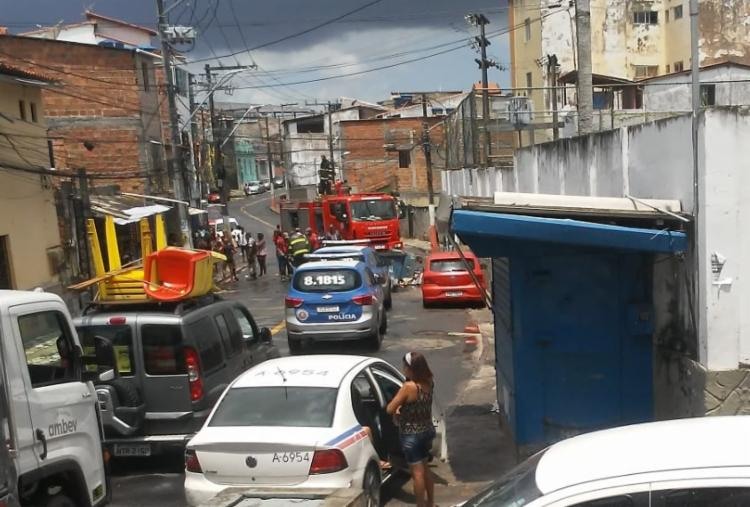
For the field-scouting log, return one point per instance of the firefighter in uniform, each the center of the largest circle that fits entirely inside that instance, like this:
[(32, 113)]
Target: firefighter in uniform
[(299, 246)]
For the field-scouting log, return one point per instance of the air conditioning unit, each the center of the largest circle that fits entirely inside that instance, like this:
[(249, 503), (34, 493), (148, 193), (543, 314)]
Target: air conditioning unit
[(520, 110)]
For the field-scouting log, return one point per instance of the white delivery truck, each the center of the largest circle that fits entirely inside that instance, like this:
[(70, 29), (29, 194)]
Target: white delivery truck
[(52, 427)]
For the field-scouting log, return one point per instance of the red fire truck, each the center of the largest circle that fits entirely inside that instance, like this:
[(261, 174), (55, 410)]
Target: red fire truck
[(371, 216)]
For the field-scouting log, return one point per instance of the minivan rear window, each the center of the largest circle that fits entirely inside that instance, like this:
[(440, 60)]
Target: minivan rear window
[(121, 338), (449, 265), (327, 280), (162, 349), (277, 406)]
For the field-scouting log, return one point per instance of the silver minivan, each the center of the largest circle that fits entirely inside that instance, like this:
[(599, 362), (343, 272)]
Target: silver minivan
[(173, 362)]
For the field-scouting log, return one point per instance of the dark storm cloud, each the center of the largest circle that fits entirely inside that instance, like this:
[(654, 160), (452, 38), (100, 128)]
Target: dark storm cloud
[(259, 21)]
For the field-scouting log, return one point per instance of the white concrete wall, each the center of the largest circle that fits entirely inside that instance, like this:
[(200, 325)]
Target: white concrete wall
[(477, 182), (125, 34), (727, 212), (670, 93)]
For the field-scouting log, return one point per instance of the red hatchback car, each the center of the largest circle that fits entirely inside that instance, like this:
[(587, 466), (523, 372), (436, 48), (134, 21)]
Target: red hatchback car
[(446, 279)]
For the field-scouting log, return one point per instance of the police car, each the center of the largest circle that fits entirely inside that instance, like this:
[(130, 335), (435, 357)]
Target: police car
[(366, 254), (334, 301), (300, 422)]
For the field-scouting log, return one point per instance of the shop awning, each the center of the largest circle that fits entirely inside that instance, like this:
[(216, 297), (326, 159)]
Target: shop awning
[(489, 234)]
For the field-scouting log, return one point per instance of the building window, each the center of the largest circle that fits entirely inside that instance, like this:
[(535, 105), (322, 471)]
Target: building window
[(144, 71), (667, 70), (32, 108), (677, 12), (643, 71), (528, 83), (678, 66), (645, 17), (708, 95), (527, 26), (666, 15), (22, 109), (436, 111), (311, 125), (404, 159)]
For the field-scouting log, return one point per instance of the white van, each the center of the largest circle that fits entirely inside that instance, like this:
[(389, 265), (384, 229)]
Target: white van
[(53, 423)]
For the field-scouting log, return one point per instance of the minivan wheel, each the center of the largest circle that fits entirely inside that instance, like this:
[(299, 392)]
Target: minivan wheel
[(384, 324), (376, 339), (295, 346), (371, 487)]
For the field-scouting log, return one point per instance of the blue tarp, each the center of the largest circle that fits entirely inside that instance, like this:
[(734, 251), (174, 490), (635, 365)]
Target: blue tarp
[(479, 228)]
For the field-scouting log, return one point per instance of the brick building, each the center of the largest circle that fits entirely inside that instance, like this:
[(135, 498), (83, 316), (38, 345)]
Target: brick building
[(104, 116), (385, 154)]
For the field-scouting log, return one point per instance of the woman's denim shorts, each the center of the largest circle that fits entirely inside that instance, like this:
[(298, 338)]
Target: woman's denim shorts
[(417, 446)]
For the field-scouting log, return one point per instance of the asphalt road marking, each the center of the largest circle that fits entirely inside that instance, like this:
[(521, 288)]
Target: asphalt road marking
[(253, 217)]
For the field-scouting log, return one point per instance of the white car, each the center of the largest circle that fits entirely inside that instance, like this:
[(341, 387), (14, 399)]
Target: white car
[(299, 422), (686, 462)]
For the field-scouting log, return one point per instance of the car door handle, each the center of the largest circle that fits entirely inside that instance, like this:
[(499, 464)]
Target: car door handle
[(86, 395), (40, 436)]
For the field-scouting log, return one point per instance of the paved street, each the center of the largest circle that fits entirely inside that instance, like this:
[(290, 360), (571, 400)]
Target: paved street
[(159, 481)]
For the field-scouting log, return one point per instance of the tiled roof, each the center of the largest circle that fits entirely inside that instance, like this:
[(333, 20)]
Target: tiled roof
[(12, 70)]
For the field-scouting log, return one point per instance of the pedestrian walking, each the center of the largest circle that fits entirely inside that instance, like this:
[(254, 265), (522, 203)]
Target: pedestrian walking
[(262, 253), (412, 407), (228, 250), (241, 240), (282, 249), (252, 252), (299, 246)]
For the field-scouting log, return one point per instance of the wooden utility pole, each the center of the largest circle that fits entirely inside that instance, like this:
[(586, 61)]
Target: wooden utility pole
[(552, 73), (330, 139), (585, 84), (427, 148), (176, 160), (269, 157)]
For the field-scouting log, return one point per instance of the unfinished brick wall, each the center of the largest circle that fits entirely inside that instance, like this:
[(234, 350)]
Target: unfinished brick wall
[(100, 99), (372, 163)]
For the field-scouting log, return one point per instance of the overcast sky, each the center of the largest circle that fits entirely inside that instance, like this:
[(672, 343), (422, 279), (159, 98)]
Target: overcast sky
[(383, 34)]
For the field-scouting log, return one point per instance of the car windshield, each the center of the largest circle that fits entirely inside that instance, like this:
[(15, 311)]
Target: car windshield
[(516, 488), (326, 280), (277, 406), (373, 209), (450, 265)]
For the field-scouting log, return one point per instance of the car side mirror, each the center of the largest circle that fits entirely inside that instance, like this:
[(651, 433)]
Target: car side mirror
[(401, 212), (265, 335), (379, 278), (107, 376), (105, 354)]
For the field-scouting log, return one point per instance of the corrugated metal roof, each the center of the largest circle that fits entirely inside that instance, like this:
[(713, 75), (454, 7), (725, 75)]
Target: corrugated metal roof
[(125, 209)]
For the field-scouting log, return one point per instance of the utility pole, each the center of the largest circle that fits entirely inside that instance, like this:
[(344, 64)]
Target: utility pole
[(480, 43), (219, 170), (194, 137), (552, 73), (427, 148), (699, 222), (269, 157), (330, 138), (176, 161), (585, 84)]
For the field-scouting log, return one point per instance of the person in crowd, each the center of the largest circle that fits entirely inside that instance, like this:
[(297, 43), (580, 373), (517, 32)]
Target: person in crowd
[(252, 254), (312, 238), (262, 253), (282, 249), (333, 233), (228, 250), (299, 246), (240, 239), (412, 407)]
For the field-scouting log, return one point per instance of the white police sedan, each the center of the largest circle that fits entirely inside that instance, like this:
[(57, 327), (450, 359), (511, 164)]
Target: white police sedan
[(300, 422)]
